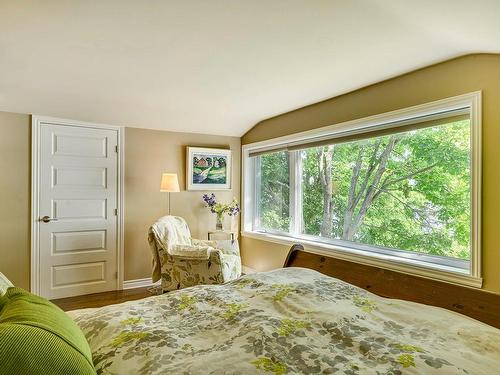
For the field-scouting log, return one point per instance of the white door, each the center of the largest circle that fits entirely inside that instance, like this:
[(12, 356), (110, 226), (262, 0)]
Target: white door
[(77, 207)]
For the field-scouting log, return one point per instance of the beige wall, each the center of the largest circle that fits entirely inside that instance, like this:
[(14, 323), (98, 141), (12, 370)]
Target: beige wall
[(15, 197), (454, 77), (148, 153)]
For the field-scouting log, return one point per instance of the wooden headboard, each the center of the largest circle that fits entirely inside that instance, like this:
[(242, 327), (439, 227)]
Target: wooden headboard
[(476, 303)]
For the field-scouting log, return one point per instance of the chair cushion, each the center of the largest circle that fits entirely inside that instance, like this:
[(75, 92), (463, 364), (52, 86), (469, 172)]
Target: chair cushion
[(36, 337)]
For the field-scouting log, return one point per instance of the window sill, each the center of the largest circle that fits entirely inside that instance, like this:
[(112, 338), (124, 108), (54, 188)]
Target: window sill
[(393, 263)]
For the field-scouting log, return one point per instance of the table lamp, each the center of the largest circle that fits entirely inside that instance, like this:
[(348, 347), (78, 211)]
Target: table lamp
[(169, 184)]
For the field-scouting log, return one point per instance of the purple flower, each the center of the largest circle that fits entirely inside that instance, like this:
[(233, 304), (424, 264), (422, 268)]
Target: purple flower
[(232, 209), (210, 200)]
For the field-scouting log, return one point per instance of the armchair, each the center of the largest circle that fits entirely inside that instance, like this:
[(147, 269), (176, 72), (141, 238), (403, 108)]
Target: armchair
[(181, 261)]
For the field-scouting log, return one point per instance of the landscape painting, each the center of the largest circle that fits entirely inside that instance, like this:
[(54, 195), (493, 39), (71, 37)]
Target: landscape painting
[(208, 169)]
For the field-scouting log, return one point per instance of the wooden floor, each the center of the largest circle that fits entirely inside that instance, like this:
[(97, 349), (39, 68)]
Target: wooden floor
[(102, 299)]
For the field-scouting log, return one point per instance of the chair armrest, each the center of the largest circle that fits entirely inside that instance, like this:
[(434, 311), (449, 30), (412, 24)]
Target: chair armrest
[(229, 247), (226, 246), (191, 252), (220, 258), (196, 242)]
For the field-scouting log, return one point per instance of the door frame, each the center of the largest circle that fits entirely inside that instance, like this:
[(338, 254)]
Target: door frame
[(36, 122)]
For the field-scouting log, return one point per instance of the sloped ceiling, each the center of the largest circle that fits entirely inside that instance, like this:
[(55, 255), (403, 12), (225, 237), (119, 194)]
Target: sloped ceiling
[(219, 66)]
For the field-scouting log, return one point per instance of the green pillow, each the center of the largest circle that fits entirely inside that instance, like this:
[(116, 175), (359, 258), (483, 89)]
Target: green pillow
[(37, 337)]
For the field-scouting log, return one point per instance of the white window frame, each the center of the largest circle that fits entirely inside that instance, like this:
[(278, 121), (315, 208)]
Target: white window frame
[(410, 265)]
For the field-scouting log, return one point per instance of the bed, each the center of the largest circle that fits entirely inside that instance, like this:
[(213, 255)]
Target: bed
[(287, 321)]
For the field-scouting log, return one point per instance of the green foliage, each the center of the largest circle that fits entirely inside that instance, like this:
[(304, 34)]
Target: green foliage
[(419, 201), (289, 326), (282, 291), (233, 309), (275, 191), (131, 321), (125, 337), (406, 360), (269, 365), (186, 302), (365, 304)]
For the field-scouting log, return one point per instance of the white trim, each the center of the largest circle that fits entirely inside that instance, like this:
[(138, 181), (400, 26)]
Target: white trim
[(139, 283), (371, 259), (476, 182), (35, 209), (36, 121), (381, 121), (293, 195), (247, 191), (121, 209)]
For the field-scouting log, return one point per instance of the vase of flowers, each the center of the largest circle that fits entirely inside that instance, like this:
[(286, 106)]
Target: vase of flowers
[(220, 209)]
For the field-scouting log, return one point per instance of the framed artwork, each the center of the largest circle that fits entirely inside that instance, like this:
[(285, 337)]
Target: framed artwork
[(208, 169)]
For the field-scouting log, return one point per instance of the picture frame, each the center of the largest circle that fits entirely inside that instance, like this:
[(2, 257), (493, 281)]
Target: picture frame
[(208, 168)]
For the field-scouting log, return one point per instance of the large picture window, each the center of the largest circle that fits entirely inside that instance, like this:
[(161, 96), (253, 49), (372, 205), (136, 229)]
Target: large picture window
[(273, 184), (398, 190)]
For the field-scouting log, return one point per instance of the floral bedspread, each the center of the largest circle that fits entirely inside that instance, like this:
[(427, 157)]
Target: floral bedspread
[(288, 321)]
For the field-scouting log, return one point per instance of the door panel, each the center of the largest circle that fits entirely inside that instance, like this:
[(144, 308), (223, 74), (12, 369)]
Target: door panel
[(78, 274), (85, 178), (79, 145), (79, 209), (78, 241), (78, 192)]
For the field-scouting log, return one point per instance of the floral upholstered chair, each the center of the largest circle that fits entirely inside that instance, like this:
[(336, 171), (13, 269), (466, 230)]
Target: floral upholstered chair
[(181, 261), (4, 284)]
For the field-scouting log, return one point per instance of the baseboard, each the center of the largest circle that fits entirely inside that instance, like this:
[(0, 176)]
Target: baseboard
[(247, 270), (139, 283)]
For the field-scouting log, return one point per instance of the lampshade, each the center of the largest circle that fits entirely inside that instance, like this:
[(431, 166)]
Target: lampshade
[(169, 183)]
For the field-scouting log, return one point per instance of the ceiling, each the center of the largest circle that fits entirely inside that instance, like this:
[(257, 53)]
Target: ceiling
[(219, 66)]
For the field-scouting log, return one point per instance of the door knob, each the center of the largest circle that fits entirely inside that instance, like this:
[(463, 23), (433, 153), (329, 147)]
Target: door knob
[(47, 219)]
